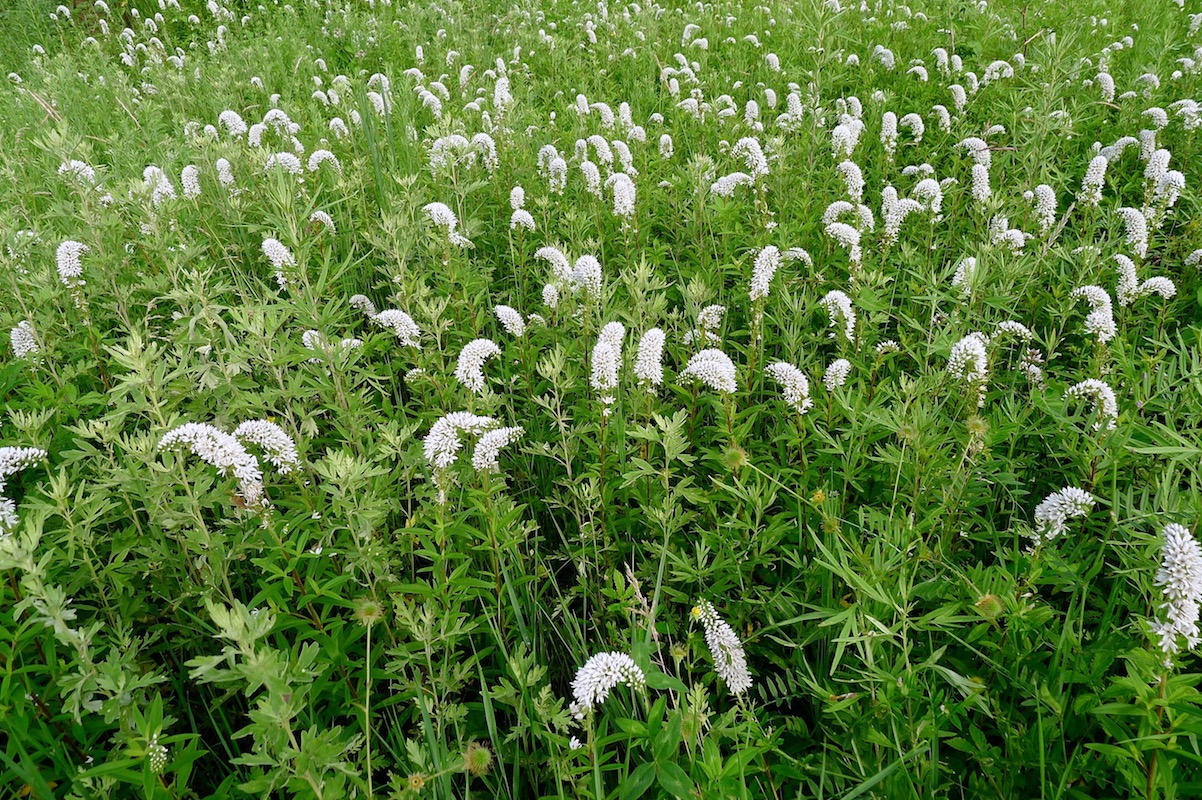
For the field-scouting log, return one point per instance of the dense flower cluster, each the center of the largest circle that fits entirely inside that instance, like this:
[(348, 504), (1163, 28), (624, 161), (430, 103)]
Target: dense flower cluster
[(648, 364), (470, 369), (277, 446), (729, 661), (1180, 579), (713, 368), (599, 676), (221, 450), (1102, 396), (795, 387), (1053, 514)]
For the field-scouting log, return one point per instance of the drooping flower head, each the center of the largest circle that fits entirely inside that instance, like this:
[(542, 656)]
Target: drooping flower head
[(836, 374), (443, 217), (1053, 514), (323, 219), (1102, 396), (1044, 197), (838, 308), (561, 268), (599, 676), (713, 368), (511, 320), (969, 361), (729, 660), (470, 369), (15, 459), (1100, 321), (12, 461), (363, 303), (1094, 180), (1136, 225), (221, 450), (586, 275), (281, 259), (24, 343), (848, 238), (710, 318), (965, 269), (604, 380), (277, 445), (795, 387), (766, 264), (442, 443), (624, 195), (401, 325), (488, 448)]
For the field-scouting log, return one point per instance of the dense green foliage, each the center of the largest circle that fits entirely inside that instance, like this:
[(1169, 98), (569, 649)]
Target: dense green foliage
[(907, 630)]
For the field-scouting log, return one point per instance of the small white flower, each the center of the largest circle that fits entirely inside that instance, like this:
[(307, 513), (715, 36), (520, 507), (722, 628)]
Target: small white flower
[(586, 275), (1100, 321), (364, 304), (839, 309), (442, 443), (600, 675), (561, 267), (70, 262), (400, 323), (1102, 396), (225, 174), (488, 448), (24, 342), (511, 320), (232, 122), (521, 218), (766, 264), (443, 217), (1052, 515), (713, 368), (15, 459), (1180, 576), (795, 387), (285, 161), (648, 365), (470, 369), (710, 317), (281, 258), (969, 361), (1045, 206), (323, 219), (1137, 230), (223, 451), (319, 157), (981, 191), (277, 445), (623, 194), (1094, 180), (604, 380), (729, 660), (836, 374)]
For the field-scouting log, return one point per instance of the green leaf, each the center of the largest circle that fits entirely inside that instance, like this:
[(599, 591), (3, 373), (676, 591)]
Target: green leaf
[(1113, 751), (667, 740), (637, 782), (662, 680), (674, 780)]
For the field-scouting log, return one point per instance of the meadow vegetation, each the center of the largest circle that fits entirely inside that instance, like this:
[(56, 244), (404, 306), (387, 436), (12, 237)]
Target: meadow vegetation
[(582, 399)]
